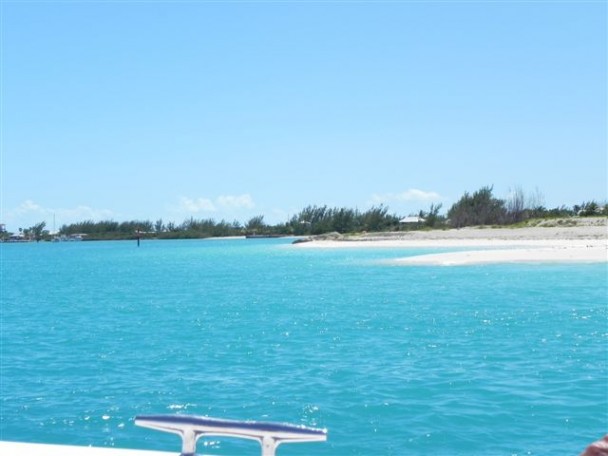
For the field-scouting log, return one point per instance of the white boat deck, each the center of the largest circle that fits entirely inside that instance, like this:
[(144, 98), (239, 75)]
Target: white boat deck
[(39, 449), (189, 428)]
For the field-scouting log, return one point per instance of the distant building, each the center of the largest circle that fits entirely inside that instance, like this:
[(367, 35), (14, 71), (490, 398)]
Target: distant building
[(412, 219), (17, 238)]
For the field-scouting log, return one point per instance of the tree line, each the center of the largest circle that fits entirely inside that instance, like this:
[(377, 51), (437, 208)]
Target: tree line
[(311, 220), (472, 209)]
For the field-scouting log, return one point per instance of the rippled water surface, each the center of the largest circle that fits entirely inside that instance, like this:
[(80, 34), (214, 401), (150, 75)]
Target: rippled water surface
[(494, 359)]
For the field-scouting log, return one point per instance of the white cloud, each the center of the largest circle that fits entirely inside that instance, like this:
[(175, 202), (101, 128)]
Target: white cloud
[(413, 194), (196, 205), (222, 202), (29, 213), (28, 206), (236, 202), (80, 213)]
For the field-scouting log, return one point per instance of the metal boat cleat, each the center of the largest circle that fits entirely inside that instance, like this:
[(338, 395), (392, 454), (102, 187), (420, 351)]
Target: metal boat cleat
[(191, 428)]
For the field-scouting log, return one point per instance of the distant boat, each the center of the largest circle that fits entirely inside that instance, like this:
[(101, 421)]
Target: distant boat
[(69, 238)]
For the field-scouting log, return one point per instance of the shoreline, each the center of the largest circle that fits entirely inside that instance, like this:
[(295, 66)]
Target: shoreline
[(584, 243)]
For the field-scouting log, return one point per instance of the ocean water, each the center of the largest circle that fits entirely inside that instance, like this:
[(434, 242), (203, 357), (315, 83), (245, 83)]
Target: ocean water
[(469, 360)]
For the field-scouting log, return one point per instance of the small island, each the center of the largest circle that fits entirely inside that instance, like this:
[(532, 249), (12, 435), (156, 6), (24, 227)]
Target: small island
[(480, 212)]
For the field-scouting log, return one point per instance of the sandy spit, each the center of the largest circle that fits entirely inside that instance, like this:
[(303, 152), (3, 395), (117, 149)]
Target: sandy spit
[(587, 242)]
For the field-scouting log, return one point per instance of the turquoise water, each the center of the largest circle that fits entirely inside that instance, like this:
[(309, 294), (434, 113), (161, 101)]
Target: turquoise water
[(494, 359)]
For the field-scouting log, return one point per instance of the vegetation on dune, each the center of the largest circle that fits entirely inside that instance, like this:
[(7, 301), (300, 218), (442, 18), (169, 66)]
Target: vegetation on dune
[(322, 219), (481, 208)]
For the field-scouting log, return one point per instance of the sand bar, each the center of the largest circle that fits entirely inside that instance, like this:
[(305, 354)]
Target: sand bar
[(581, 254), (586, 242)]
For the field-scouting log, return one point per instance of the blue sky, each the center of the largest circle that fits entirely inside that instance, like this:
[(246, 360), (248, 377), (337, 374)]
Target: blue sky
[(146, 110)]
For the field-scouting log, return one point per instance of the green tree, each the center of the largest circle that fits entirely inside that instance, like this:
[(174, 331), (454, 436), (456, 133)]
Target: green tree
[(344, 220), (480, 208), (378, 219), (588, 209), (432, 218), (36, 231), (255, 224), (516, 206)]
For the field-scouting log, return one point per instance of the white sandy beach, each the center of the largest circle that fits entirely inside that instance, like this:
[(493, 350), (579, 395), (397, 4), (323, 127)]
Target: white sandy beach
[(585, 242)]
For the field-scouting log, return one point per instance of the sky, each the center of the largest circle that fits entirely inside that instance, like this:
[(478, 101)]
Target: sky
[(147, 110)]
